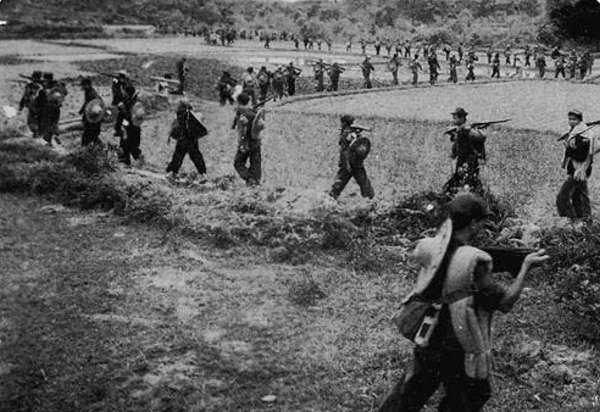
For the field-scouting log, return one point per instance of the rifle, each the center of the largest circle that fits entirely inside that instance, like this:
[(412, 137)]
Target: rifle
[(111, 75), (590, 125), (478, 126), (262, 103), (29, 78)]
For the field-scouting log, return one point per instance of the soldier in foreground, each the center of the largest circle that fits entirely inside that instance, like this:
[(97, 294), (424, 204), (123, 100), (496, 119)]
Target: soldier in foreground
[(186, 130), (92, 112), (249, 123), (573, 200), (448, 315), (468, 148), (353, 151), (30, 100)]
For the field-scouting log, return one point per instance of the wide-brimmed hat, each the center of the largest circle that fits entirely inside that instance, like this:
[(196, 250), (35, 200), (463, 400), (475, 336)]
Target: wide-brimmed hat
[(459, 111)]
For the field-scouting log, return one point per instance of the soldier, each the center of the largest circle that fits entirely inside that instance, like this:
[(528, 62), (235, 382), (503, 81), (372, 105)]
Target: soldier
[(363, 46), (349, 46), (527, 56), (453, 69), (572, 65), (119, 84), (393, 65), (407, 48), (496, 66), (278, 83), (264, 80), (507, 54), (247, 123), (588, 62), (131, 114), (459, 295), (559, 67), (351, 163), (30, 100), (582, 65), (388, 47), (490, 55), (319, 69), (334, 77), (181, 73), (186, 130), (434, 66), (319, 44), (468, 148), (541, 64), (50, 101), (460, 52), (377, 46), (470, 71), (367, 68), (91, 126), (414, 67), (573, 199), (292, 75), (296, 43), (249, 84), (329, 44), (225, 88), (447, 52)]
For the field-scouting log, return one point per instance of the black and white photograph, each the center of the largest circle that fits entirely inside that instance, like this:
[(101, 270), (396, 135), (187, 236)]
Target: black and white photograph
[(299, 206)]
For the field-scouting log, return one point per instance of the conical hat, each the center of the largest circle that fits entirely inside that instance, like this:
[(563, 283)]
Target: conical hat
[(95, 110), (138, 114), (258, 124)]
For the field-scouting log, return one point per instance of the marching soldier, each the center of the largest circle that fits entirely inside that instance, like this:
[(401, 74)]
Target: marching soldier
[(319, 69), (367, 68), (559, 67), (51, 98), (264, 79), (415, 66), (249, 123), (434, 66), (186, 130), (334, 76), (30, 100), (470, 70), (490, 55), (249, 84), (132, 113), (407, 48), (225, 88), (292, 75), (572, 65), (363, 46), (279, 83), (393, 66), (353, 150), (573, 200), (527, 56), (541, 64), (181, 74), (377, 46), (92, 115), (468, 148), (119, 84), (453, 69)]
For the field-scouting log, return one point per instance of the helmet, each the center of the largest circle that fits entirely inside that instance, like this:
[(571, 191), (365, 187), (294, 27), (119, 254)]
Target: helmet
[(95, 110)]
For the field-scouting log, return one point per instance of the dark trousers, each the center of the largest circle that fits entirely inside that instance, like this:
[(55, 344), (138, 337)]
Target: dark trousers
[(130, 146), (495, 71), (181, 84), (453, 76), (91, 133), (333, 87), (560, 71), (264, 90), (250, 154), (429, 369), (367, 83), (291, 87), (395, 77), (119, 124), (542, 72), (189, 147), (251, 93), (225, 97), (573, 200), (470, 75), (415, 78), (433, 75), (343, 176)]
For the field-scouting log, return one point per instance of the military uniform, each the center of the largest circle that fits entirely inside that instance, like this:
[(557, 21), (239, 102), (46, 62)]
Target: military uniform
[(30, 100), (225, 86), (264, 79), (249, 85), (181, 72), (350, 166), (541, 65), (394, 66), (415, 66), (453, 69), (118, 92), (292, 75), (249, 147), (367, 68), (334, 77), (186, 130), (130, 145), (468, 148), (434, 66), (279, 83), (573, 198), (50, 107), (91, 131), (559, 67), (320, 76)]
